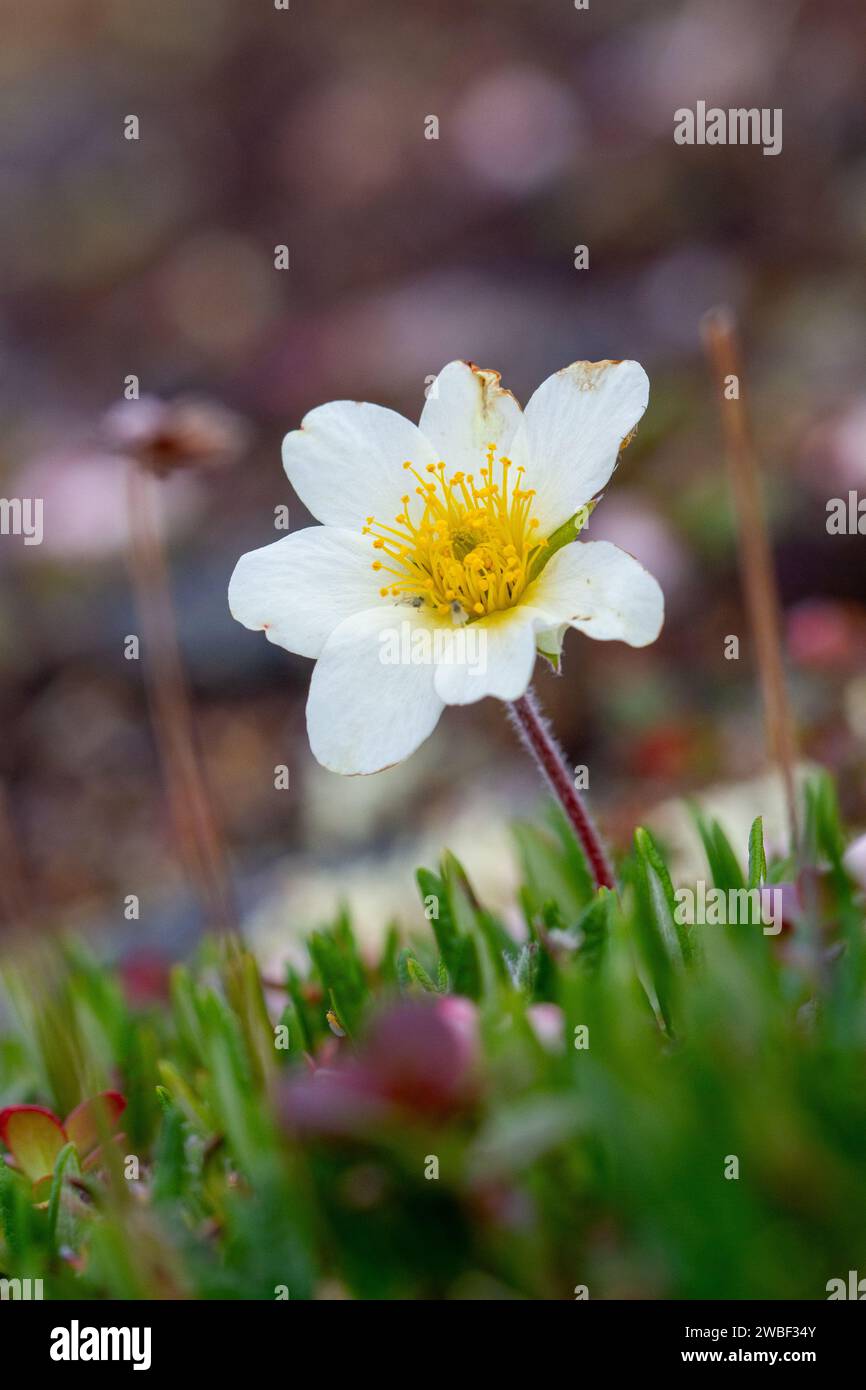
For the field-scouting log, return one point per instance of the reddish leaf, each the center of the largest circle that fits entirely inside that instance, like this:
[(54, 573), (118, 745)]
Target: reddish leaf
[(97, 1155), (42, 1191), (94, 1120), (34, 1136)]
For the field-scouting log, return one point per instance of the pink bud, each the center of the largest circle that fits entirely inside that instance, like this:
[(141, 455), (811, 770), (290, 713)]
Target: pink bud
[(548, 1024)]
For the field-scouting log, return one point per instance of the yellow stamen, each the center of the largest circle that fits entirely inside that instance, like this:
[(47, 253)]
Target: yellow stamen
[(471, 549)]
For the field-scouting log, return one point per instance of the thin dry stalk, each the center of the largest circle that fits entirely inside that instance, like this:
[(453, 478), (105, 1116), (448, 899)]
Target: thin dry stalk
[(756, 557), (199, 839)]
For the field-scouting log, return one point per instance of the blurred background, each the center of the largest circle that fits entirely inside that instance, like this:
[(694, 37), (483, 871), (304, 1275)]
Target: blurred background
[(155, 257)]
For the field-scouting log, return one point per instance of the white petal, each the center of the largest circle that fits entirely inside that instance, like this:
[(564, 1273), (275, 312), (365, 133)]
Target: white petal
[(494, 656), (364, 714), (346, 462), (303, 586), (465, 411), (601, 590), (573, 428)]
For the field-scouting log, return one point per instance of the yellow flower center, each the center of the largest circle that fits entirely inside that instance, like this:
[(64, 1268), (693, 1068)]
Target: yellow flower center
[(471, 549)]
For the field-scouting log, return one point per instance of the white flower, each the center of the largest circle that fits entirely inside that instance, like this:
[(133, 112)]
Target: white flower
[(442, 564)]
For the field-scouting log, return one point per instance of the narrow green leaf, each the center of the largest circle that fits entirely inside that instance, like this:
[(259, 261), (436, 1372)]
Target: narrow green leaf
[(418, 975), (65, 1159), (757, 855), (170, 1167), (724, 866), (658, 869), (593, 929), (437, 910)]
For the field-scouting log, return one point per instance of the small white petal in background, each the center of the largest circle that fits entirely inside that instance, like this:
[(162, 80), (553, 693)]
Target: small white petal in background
[(854, 860)]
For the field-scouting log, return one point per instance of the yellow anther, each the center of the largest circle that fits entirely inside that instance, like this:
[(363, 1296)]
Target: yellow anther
[(467, 550)]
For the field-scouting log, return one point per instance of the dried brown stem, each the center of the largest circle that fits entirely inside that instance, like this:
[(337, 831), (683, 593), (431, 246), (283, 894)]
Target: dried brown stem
[(756, 559), (199, 839)]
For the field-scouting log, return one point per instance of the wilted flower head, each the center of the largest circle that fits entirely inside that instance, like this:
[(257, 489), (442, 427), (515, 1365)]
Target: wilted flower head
[(165, 436), (447, 554)]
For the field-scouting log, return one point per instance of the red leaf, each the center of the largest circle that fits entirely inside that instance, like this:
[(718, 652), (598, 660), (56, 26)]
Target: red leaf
[(34, 1136), (94, 1120)]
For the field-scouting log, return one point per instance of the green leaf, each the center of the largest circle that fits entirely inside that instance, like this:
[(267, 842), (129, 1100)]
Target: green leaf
[(757, 855), (524, 968), (67, 1158), (303, 1011), (474, 923), (593, 928), (14, 1210), (724, 866), (170, 1166), (335, 956), (554, 869), (388, 958), (434, 894), (659, 875), (418, 975), (655, 936), (466, 978)]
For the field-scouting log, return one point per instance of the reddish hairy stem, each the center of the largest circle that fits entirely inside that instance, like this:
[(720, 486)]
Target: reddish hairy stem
[(537, 738)]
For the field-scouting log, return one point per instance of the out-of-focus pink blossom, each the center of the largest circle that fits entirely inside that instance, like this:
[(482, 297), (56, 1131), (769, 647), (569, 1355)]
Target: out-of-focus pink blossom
[(782, 902), (516, 128), (548, 1024), (419, 1060), (423, 1056), (84, 499), (834, 450), (823, 634), (144, 975), (632, 524)]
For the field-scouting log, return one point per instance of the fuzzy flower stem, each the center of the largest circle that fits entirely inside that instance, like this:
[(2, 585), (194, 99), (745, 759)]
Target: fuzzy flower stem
[(538, 740)]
